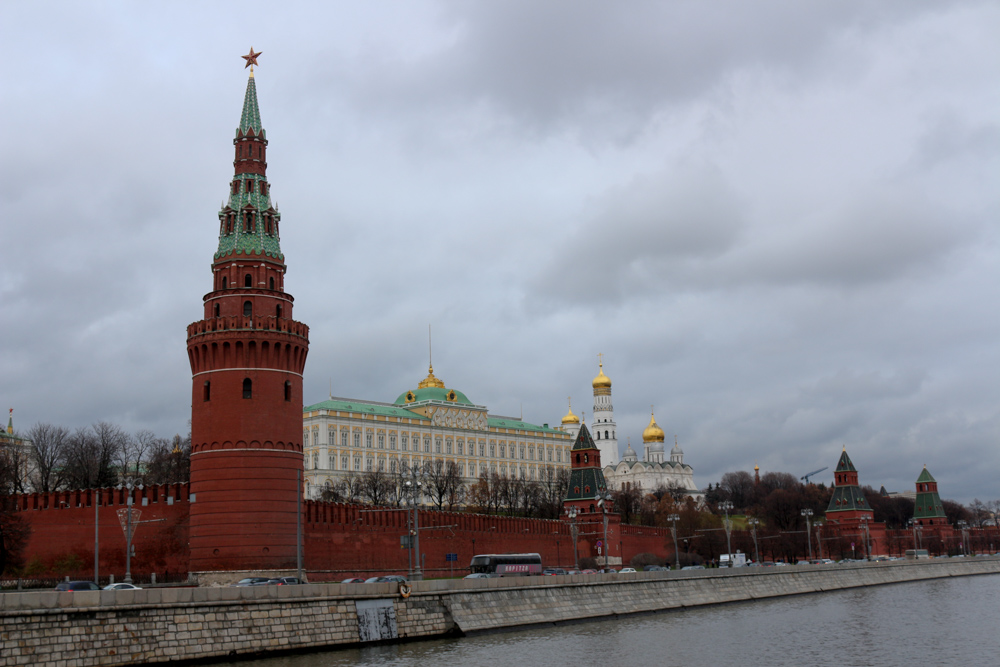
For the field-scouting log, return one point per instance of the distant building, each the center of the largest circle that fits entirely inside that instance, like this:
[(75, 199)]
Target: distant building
[(347, 437), (655, 469)]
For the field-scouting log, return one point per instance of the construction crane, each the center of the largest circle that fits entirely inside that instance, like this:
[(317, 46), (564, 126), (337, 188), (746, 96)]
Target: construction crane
[(805, 477)]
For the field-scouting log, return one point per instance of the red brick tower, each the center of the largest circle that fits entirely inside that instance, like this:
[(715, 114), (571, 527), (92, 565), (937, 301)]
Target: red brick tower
[(247, 358)]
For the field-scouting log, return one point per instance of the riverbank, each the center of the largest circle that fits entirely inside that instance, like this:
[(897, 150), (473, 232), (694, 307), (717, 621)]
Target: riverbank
[(127, 627)]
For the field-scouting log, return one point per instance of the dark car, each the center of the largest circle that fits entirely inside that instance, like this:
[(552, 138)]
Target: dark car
[(253, 581), (389, 578), (552, 571), (353, 580), (654, 568), (77, 586), (290, 581)]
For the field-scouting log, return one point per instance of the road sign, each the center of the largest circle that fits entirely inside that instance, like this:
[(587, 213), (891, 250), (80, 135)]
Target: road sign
[(451, 557), (600, 544), (405, 541)]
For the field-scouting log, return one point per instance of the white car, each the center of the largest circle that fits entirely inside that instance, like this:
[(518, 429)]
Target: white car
[(122, 587), (626, 570)]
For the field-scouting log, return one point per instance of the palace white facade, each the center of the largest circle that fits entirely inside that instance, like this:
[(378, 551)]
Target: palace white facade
[(348, 437)]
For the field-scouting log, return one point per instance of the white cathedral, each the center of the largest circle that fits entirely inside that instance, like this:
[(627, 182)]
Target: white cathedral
[(654, 470)]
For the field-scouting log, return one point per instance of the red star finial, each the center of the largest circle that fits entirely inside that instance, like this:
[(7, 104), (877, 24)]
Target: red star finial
[(251, 59)]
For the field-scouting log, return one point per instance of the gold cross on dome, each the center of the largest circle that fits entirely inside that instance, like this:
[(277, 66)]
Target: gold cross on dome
[(251, 59)]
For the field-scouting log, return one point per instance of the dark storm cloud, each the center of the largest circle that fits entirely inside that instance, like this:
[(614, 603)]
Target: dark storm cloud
[(777, 220)]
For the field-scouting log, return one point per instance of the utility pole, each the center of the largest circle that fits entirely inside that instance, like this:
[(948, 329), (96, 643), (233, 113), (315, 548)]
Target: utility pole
[(807, 513), (725, 506)]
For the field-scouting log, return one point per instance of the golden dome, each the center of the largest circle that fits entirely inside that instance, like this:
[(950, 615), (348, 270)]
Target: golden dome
[(430, 380), (602, 381), (653, 433), (570, 418)]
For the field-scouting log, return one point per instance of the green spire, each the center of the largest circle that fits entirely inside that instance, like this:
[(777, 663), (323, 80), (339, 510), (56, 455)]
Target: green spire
[(845, 464), (251, 110), (925, 476)]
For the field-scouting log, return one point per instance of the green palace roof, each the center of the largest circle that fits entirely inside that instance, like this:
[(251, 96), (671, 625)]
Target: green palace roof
[(349, 405)]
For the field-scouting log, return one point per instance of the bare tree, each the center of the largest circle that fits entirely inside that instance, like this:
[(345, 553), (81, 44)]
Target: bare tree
[(738, 488), (48, 449), (350, 488), (444, 483), (375, 486), (169, 461), (133, 454), (91, 455)]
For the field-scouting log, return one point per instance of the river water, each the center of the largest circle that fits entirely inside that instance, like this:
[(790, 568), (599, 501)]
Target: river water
[(939, 622)]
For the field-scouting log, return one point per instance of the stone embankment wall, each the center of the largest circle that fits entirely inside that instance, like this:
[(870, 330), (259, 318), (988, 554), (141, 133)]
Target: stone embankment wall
[(127, 627)]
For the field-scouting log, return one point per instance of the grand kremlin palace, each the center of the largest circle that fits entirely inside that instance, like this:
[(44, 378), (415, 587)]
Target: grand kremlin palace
[(432, 422), (349, 437)]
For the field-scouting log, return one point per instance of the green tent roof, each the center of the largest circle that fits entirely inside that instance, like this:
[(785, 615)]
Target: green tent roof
[(845, 464), (925, 476)]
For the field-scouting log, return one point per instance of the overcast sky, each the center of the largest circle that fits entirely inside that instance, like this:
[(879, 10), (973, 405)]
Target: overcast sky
[(778, 221)]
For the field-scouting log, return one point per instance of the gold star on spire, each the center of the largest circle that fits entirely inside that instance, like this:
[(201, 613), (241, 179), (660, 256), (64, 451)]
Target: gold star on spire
[(251, 59)]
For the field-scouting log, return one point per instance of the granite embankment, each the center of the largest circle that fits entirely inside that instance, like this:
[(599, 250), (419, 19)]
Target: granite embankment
[(127, 627)]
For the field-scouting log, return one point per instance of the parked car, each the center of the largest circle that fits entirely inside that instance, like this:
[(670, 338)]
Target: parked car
[(389, 578), (588, 571), (552, 571), (77, 586), (122, 587), (609, 570), (252, 581), (480, 575), (353, 580), (654, 568), (574, 571), (693, 567), (290, 581), (627, 570)]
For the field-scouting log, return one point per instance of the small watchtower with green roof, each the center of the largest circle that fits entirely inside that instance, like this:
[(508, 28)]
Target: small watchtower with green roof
[(927, 507), (586, 481), (848, 503)]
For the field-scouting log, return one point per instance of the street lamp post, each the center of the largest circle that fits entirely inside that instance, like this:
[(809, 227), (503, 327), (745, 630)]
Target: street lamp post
[(725, 506), (673, 518), (571, 513), (129, 484), (807, 513), (868, 544), (604, 496), (819, 541), (963, 526), (753, 522), (414, 486)]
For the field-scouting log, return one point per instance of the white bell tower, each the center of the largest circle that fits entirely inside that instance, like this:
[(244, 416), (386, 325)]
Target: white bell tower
[(604, 428)]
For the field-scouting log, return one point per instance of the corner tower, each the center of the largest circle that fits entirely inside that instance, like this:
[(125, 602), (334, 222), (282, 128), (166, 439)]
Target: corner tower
[(604, 417), (247, 357), (927, 507), (848, 503)]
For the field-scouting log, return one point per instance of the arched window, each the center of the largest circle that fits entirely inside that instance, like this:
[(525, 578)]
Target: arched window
[(278, 310), (598, 434), (247, 309), (247, 388), (225, 282), (605, 435), (216, 310), (586, 458), (270, 283), (248, 280), (577, 458), (208, 391), (591, 509), (288, 390)]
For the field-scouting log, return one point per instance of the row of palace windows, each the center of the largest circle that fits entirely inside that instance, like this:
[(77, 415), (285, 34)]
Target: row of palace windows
[(247, 150), (250, 223), (247, 390), (371, 464), (526, 452)]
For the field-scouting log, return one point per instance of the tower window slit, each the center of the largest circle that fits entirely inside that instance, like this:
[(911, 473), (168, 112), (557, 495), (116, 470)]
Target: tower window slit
[(208, 391), (248, 280), (247, 388), (247, 309)]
